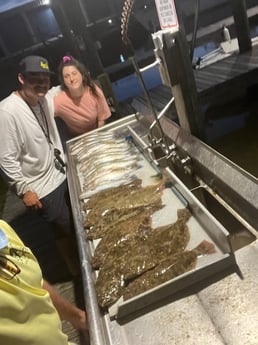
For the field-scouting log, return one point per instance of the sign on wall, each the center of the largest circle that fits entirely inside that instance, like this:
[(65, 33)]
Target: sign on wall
[(167, 14)]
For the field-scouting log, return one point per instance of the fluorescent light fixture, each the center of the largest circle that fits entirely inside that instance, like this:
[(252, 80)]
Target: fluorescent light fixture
[(45, 2)]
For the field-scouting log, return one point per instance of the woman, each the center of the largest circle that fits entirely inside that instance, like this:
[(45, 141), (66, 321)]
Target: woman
[(81, 103)]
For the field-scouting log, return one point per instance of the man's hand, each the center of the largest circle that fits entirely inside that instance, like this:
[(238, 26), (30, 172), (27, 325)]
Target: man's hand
[(31, 200), (79, 321)]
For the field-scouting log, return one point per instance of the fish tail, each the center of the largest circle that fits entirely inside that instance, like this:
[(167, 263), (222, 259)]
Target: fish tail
[(183, 214), (205, 247)]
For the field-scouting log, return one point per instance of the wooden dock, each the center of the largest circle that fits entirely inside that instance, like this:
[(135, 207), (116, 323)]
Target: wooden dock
[(229, 75), (216, 83)]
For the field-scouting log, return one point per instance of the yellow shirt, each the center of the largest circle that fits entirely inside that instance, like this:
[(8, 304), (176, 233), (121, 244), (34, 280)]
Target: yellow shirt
[(27, 315)]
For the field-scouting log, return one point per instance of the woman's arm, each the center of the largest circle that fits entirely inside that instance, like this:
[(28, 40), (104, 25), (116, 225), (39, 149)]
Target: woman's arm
[(101, 123), (102, 108)]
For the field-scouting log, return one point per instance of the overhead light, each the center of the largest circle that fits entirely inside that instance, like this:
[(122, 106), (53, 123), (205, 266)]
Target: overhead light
[(110, 21), (145, 6), (45, 2)]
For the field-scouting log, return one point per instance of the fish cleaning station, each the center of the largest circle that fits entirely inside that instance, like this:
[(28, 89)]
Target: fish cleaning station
[(166, 225), (158, 213)]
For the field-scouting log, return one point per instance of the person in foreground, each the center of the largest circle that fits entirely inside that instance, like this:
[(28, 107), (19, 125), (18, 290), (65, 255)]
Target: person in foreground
[(31, 154), (30, 307), (81, 104)]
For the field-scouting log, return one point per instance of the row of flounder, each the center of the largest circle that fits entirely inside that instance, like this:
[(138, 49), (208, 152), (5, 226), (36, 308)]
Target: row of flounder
[(131, 256)]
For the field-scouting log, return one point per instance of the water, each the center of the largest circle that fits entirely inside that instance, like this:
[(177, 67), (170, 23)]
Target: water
[(218, 128), (130, 86)]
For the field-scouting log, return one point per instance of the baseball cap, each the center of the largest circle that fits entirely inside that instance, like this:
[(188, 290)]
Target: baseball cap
[(3, 239), (35, 64)]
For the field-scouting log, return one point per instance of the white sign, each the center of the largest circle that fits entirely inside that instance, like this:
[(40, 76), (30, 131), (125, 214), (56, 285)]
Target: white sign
[(167, 14)]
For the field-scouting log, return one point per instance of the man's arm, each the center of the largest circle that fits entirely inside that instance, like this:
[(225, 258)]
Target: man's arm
[(11, 171), (10, 150), (66, 310)]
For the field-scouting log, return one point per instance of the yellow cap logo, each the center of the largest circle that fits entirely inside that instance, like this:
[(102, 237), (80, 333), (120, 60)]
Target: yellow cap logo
[(44, 65)]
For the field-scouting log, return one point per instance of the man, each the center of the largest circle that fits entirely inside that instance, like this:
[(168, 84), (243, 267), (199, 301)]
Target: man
[(31, 155), (28, 316)]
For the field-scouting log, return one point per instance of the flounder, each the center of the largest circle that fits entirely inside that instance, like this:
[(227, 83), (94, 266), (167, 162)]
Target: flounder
[(110, 282), (143, 196), (171, 238), (162, 241), (169, 268), (113, 217), (102, 198), (124, 231), (134, 255), (109, 285)]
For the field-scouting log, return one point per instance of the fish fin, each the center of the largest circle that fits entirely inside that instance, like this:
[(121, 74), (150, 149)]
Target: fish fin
[(205, 247)]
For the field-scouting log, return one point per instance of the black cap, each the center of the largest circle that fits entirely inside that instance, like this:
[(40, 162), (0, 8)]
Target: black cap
[(35, 64)]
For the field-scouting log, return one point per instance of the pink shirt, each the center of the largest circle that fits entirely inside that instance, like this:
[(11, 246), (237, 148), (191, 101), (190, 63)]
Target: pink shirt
[(81, 115)]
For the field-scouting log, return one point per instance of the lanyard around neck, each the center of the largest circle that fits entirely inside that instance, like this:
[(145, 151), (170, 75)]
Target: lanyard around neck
[(45, 129)]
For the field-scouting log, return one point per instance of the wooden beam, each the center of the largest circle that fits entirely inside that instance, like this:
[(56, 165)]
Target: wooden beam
[(242, 25)]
